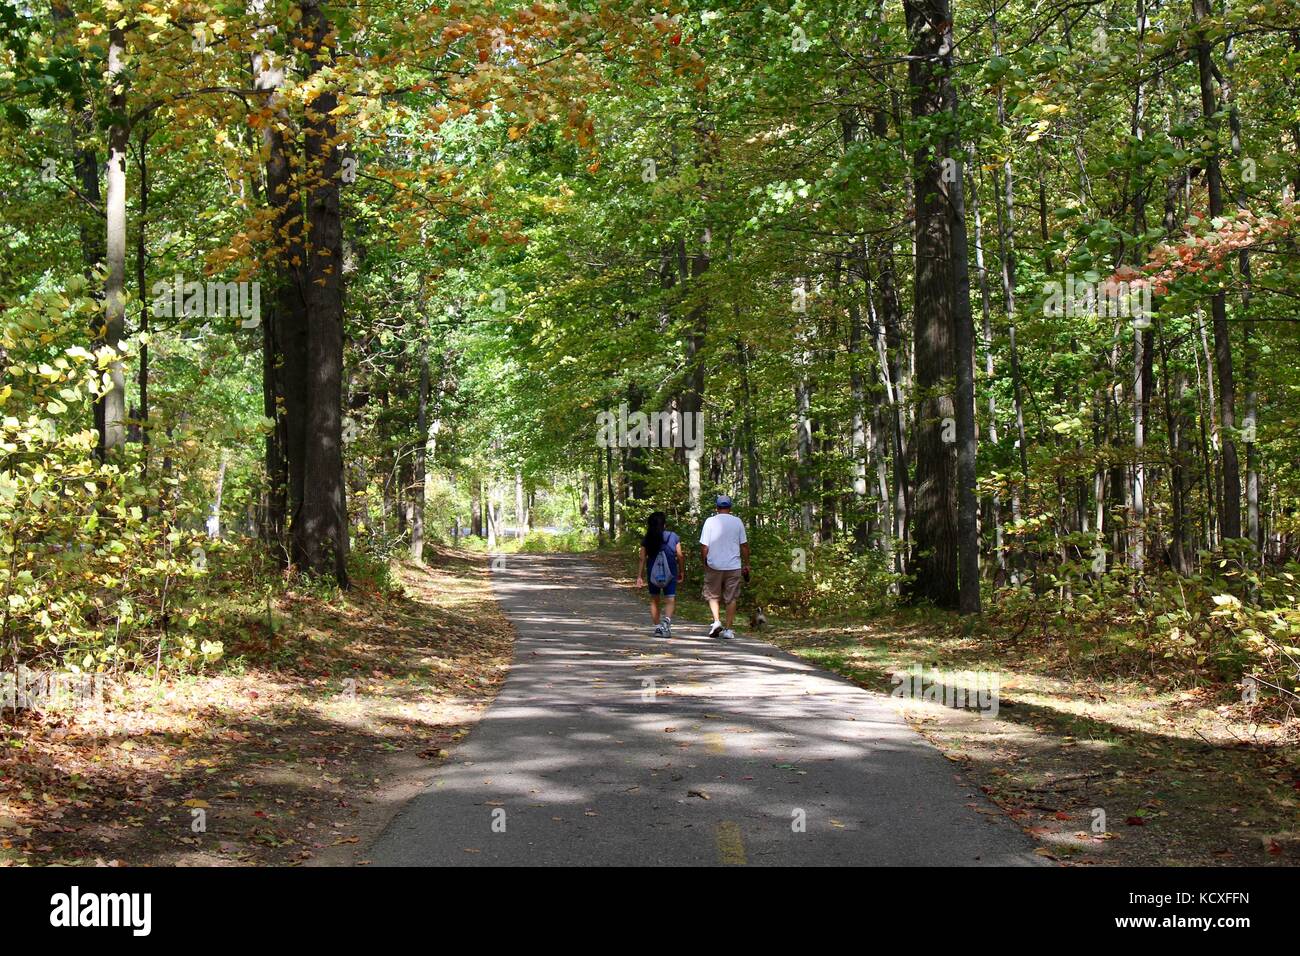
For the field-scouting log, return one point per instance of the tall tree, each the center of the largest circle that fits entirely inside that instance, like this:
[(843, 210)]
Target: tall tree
[(320, 531), (1231, 503), (934, 560), (110, 407)]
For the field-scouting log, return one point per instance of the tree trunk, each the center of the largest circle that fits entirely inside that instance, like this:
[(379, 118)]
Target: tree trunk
[(934, 561), (284, 348), (889, 347), (751, 443), (609, 490), (992, 510), (804, 444), (637, 454), (694, 399), (421, 457), (110, 406), (521, 518), (475, 507), (858, 443), (1142, 352), (1230, 506), (599, 483), (1137, 556), (214, 511), (1251, 353), (141, 284), (968, 540), (321, 533), (1006, 209)]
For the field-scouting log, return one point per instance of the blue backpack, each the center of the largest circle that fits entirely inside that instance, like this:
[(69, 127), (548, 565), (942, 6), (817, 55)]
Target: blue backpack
[(661, 571)]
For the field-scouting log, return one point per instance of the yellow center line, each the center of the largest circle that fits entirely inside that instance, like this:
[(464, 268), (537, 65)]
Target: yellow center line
[(731, 848)]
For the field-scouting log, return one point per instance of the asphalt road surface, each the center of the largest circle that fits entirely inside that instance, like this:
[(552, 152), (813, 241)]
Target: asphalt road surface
[(608, 746)]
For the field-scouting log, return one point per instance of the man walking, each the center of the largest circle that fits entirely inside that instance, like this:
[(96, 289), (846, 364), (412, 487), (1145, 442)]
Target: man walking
[(724, 550)]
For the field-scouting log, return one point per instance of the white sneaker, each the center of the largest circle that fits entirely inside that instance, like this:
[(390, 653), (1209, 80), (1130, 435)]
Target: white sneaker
[(727, 634), (660, 630), (668, 626), (715, 629)]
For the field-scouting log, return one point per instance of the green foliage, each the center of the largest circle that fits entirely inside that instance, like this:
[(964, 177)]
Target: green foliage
[(794, 577), (508, 246), (97, 573), (537, 542)]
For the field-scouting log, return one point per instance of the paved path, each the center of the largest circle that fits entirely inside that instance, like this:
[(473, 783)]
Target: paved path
[(608, 746)]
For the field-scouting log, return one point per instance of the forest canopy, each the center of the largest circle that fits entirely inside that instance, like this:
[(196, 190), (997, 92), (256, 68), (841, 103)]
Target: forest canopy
[(965, 304)]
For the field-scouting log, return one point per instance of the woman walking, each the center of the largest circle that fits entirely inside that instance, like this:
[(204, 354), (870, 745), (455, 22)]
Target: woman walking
[(662, 550)]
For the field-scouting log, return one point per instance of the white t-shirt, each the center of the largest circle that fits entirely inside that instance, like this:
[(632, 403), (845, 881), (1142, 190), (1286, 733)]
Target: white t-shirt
[(723, 534)]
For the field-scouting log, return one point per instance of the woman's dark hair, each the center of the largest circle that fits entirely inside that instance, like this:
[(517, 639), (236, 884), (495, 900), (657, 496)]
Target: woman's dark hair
[(654, 533)]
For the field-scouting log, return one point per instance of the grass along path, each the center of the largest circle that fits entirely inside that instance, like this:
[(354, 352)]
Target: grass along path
[(295, 749), (1182, 776)]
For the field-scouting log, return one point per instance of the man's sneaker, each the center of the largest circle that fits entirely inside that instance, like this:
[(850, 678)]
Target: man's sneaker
[(715, 629), (660, 630), (727, 634), (668, 626)]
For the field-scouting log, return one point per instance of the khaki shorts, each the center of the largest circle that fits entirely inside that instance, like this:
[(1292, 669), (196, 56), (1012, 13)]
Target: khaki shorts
[(721, 585)]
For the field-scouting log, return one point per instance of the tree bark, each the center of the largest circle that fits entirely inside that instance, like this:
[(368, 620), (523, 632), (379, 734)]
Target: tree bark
[(609, 491), (934, 565), (992, 520), (475, 507), (968, 541), (321, 534), (214, 511), (890, 349), (284, 327), (804, 442), (599, 482), (521, 518), (110, 406), (858, 440), (1254, 530), (1006, 210), (747, 426), (141, 284), (1230, 506), (421, 453)]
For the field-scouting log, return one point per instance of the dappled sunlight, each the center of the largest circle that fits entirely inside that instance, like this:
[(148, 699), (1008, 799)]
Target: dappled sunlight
[(609, 745), (1166, 772), (280, 748), (873, 655)]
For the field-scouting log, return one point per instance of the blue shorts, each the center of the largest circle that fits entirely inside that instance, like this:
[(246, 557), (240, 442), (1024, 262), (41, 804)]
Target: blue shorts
[(668, 590)]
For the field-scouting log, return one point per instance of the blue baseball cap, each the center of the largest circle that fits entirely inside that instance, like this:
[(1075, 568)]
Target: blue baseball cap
[(723, 501)]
